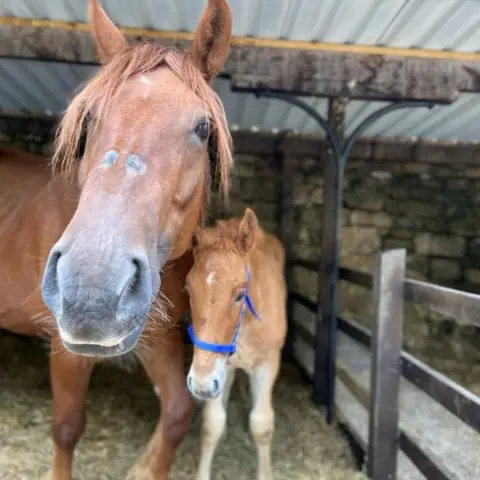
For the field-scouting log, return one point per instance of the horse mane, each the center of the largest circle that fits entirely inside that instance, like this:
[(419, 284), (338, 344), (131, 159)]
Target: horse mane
[(134, 60)]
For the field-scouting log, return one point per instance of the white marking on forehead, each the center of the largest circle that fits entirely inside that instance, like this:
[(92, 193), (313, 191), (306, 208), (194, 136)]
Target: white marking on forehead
[(135, 165), (110, 158), (146, 80), (210, 278)]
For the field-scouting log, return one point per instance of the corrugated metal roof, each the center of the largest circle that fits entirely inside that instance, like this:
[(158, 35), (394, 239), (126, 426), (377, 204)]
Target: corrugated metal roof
[(437, 24), (45, 88)]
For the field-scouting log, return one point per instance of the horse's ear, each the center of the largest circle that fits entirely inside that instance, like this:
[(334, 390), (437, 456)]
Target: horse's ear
[(107, 36), (212, 38), (247, 231)]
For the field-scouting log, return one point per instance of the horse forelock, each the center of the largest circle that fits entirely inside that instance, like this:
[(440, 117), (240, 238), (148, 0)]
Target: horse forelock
[(134, 60)]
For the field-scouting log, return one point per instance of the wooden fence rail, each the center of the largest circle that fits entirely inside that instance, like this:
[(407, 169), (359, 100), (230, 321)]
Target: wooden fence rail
[(389, 362)]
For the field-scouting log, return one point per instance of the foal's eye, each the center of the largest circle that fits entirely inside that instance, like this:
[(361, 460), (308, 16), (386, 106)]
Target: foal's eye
[(240, 297), (202, 130)]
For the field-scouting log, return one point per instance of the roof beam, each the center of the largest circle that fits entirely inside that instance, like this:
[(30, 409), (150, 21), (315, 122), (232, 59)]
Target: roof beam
[(301, 68)]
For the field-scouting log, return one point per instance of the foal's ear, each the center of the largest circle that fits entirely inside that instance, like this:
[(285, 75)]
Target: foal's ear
[(212, 38), (247, 232), (108, 38)]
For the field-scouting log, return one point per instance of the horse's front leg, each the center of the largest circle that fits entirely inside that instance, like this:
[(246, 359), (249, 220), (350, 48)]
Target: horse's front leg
[(164, 363), (69, 376), (214, 420), (262, 415)]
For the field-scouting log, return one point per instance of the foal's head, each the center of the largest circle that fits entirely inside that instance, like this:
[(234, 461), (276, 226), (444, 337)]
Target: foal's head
[(217, 285), (149, 116)]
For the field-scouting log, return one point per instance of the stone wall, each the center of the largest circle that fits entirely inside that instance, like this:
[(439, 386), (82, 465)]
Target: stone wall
[(416, 195), (34, 135)]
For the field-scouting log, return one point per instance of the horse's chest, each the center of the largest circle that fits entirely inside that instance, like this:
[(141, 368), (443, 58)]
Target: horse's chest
[(245, 357)]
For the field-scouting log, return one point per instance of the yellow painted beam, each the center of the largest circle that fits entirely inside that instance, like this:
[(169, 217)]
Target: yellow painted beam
[(255, 41)]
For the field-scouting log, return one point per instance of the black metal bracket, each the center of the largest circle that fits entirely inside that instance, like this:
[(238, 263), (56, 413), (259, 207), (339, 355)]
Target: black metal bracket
[(324, 371), (342, 150)]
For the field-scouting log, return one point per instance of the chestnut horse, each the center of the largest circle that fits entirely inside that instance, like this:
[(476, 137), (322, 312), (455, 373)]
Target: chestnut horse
[(111, 233), (237, 295)]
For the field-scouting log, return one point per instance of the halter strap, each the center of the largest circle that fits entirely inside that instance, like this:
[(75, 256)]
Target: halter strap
[(228, 348)]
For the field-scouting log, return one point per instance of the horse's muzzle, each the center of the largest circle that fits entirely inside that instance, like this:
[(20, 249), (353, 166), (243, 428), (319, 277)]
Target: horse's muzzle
[(100, 302)]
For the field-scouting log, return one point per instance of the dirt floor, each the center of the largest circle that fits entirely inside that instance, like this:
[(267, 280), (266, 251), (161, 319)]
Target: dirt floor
[(122, 413)]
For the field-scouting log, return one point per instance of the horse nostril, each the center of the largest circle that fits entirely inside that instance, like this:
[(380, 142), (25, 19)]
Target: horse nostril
[(52, 262), (215, 385), (135, 281), (50, 282), (135, 289)]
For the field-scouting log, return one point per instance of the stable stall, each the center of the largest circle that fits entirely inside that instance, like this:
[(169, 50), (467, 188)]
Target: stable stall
[(330, 106)]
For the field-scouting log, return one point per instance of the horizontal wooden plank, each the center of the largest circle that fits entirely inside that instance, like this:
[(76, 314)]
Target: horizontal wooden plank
[(422, 419), (306, 302), (283, 43), (355, 330), (24, 125), (464, 307), (424, 460), (363, 279), (456, 399), (257, 65), (353, 411), (312, 266)]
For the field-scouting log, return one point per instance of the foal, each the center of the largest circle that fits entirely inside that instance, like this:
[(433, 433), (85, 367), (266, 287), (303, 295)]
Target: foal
[(237, 296)]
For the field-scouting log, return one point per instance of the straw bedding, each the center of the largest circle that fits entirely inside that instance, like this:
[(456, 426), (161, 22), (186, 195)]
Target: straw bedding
[(122, 413)]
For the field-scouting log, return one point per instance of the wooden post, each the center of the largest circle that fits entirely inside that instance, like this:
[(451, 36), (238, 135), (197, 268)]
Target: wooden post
[(388, 295)]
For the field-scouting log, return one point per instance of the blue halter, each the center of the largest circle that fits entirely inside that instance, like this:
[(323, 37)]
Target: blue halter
[(228, 348)]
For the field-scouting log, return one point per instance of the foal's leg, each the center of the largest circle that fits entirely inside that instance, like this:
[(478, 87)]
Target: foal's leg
[(70, 376), (214, 419), (164, 364), (262, 416)]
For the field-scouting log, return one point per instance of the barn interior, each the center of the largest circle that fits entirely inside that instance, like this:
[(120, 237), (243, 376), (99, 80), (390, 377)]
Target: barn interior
[(410, 181)]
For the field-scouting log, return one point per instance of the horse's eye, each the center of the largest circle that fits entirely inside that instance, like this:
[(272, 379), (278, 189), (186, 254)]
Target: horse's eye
[(240, 297), (202, 130)]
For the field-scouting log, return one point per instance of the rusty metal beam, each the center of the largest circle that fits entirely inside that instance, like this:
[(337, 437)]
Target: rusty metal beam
[(359, 72)]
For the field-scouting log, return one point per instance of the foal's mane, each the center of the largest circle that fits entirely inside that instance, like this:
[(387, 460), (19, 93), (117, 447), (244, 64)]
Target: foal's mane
[(222, 237), (134, 60)]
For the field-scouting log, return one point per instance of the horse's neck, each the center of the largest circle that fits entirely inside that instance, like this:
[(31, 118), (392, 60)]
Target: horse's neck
[(32, 231), (255, 266), (257, 252), (266, 262), (21, 179)]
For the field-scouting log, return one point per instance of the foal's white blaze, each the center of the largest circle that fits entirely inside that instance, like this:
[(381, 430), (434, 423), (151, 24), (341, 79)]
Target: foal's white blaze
[(210, 278), (146, 80)]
